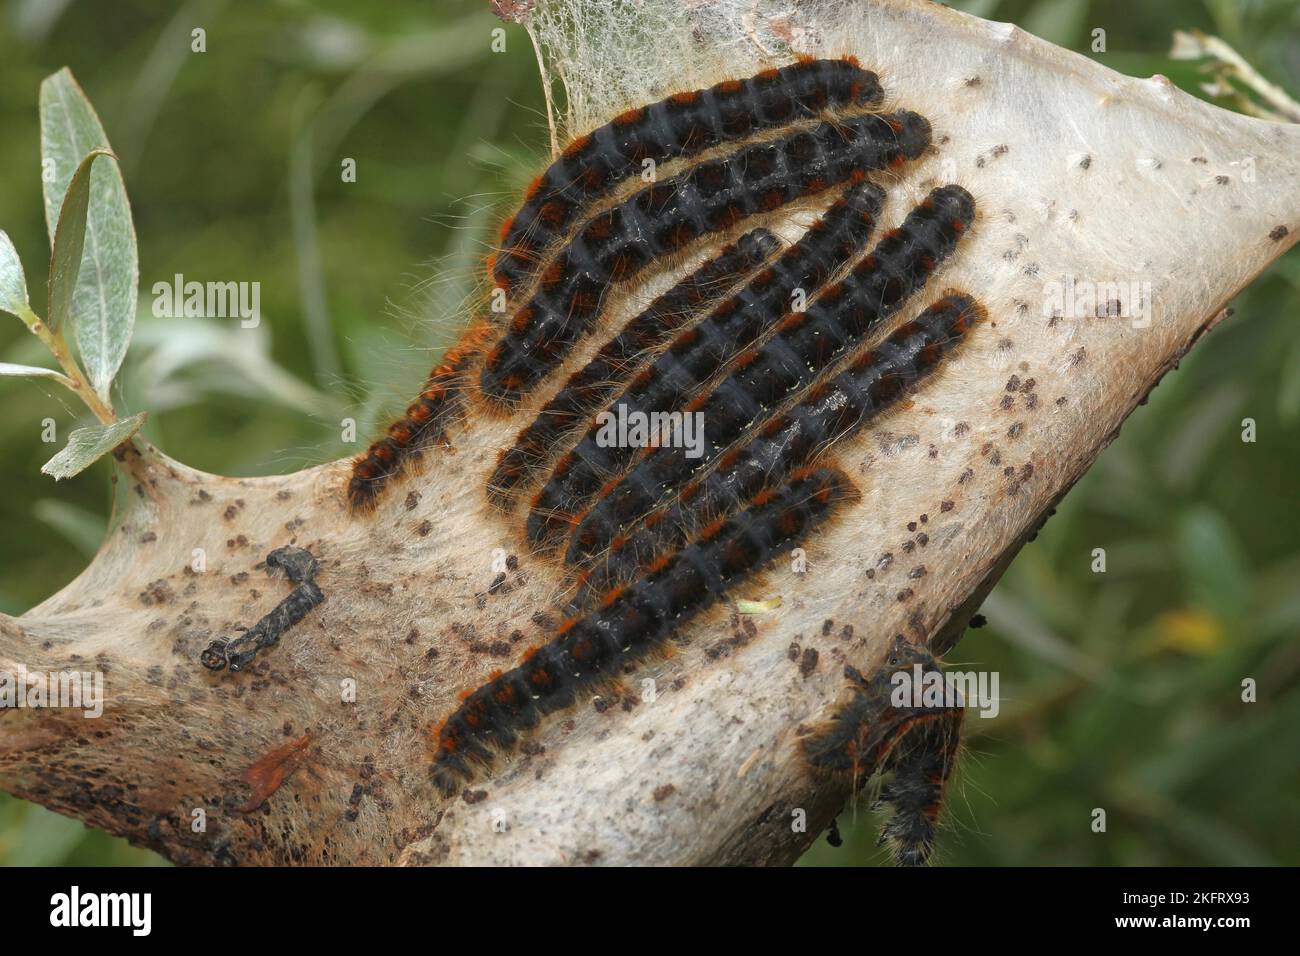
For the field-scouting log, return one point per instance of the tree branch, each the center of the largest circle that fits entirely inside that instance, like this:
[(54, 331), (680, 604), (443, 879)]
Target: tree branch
[(319, 750)]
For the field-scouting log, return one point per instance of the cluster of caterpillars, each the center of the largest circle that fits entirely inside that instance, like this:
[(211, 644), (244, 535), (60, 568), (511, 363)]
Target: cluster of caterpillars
[(783, 349)]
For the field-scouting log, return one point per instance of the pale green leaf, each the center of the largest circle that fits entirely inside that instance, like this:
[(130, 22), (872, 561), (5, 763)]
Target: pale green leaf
[(1216, 573), (69, 242), (44, 838), (31, 371), (104, 300), (1288, 392), (13, 283), (81, 526), (87, 445)]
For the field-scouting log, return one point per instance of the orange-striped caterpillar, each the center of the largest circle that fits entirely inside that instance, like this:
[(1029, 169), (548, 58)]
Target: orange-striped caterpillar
[(424, 422), (916, 744), (666, 536), (587, 390), (804, 344), (632, 621), (667, 217), (702, 349), (831, 411), (683, 125)]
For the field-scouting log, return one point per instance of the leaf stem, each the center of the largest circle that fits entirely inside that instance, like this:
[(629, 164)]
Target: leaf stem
[(72, 377)]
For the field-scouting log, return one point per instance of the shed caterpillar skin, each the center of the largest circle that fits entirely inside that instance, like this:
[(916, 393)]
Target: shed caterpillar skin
[(683, 125), (804, 344), (632, 622), (587, 390), (834, 410), (667, 217), (870, 733), (701, 350)]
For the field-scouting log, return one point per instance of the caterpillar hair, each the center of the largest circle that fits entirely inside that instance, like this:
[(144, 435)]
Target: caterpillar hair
[(593, 385), (424, 422), (804, 344), (832, 411), (873, 733)]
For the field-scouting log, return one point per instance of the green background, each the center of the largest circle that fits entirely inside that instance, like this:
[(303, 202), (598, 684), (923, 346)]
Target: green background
[(1120, 690)]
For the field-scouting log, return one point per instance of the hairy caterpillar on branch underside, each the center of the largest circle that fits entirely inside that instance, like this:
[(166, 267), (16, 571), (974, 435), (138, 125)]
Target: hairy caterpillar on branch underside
[(915, 745)]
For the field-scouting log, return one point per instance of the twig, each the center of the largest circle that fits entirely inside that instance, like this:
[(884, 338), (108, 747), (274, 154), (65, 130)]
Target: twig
[(72, 378), (1194, 45), (546, 91)]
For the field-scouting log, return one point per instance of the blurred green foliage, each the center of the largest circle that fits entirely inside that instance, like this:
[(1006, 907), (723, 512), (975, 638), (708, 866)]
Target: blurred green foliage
[(1120, 690)]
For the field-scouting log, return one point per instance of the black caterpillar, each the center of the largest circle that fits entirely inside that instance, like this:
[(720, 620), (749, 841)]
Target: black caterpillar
[(588, 389), (831, 411), (653, 536), (701, 350), (682, 125), (915, 745), (804, 344), (665, 218)]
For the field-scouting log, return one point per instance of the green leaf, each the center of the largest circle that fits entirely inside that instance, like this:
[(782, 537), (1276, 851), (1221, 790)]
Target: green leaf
[(1060, 21), (82, 527), (69, 241), (104, 299), (87, 445), (13, 283), (1288, 392), (1215, 571), (44, 838), (31, 371)]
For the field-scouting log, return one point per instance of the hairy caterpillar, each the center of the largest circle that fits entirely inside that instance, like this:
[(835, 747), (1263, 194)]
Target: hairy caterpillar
[(682, 125), (804, 344), (873, 733), (837, 408), (701, 350), (423, 423), (666, 217), (589, 388), (632, 621), (676, 534)]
